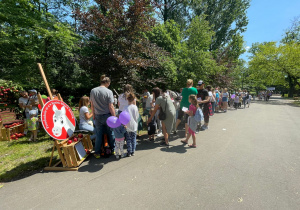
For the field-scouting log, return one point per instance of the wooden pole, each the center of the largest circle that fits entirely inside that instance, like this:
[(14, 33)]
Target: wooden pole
[(40, 100), (59, 97), (52, 154), (45, 80)]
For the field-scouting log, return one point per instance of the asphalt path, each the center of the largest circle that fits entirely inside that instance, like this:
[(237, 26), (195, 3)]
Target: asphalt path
[(248, 159)]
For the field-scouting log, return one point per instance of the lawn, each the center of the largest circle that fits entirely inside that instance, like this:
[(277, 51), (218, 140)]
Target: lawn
[(20, 158)]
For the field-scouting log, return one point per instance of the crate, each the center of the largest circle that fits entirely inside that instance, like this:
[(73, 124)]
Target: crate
[(68, 154), (6, 132)]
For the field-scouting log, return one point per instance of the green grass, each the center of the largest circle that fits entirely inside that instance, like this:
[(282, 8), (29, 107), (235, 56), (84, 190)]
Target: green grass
[(19, 158), (297, 103)]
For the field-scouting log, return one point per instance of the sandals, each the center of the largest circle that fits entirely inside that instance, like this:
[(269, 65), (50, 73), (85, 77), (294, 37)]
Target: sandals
[(192, 145), (184, 142)]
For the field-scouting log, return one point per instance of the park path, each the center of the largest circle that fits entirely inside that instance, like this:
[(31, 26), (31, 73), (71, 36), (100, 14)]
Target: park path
[(248, 159)]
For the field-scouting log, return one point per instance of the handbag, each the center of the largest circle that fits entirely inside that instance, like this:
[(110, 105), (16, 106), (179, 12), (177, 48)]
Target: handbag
[(162, 115), (24, 112)]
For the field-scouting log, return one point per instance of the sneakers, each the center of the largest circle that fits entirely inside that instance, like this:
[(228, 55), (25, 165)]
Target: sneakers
[(123, 155), (128, 154), (117, 157), (175, 132), (132, 154), (197, 131), (203, 128), (163, 143), (160, 135), (97, 156)]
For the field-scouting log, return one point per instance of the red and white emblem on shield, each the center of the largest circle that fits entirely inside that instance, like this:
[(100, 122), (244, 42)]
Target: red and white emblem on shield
[(58, 119)]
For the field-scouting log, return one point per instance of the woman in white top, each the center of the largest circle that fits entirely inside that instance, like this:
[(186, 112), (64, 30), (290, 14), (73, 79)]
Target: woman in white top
[(85, 115), (225, 96), (212, 95), (122, 100)]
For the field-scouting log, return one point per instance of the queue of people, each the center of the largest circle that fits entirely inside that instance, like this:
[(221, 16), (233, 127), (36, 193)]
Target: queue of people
[(164, 110)]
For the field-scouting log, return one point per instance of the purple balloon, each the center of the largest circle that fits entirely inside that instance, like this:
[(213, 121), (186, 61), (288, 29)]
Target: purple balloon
[(233, 96), (124, 117), (113, 122)]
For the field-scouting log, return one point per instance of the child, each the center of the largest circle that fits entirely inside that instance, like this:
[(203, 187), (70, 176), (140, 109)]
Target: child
[(132, 126), (119, 140), (32, 125), (152, 126), (240, 101), (85, 116), (191, 112), (236, 101)]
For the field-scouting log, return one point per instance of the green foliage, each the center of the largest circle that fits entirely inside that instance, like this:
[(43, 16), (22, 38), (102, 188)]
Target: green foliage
[(227, 18), (30, 34), (76, 43), (176, 10), (274, 64), (293, 33), (117, 45)]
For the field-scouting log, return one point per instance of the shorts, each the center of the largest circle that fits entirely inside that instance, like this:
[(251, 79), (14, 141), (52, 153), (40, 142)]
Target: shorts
[(151, 130), (225, 99), (181, 114)]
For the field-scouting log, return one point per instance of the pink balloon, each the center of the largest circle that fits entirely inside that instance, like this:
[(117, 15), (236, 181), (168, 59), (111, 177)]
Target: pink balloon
[(124, 117), (113, 122)]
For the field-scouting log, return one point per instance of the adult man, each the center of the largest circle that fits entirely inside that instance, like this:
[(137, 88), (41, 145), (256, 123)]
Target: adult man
[(29, 102), (204, 103), (186, 92), (24, 103), (244, 94), (102, 103)]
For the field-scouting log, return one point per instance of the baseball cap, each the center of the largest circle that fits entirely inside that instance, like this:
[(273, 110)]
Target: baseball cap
[(32, 112), (200, 82), (33, 90)]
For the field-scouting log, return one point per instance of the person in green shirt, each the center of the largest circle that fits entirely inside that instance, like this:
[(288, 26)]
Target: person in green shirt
[(32, 124), (186, 92)]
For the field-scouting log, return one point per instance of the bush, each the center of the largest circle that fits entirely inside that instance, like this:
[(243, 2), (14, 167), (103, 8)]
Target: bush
[(9, 93)]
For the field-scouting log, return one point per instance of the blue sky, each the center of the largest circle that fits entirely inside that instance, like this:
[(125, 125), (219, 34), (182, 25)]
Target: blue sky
[(268, 19)]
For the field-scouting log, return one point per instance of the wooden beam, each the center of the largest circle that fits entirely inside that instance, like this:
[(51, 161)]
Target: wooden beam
[(45, 80)]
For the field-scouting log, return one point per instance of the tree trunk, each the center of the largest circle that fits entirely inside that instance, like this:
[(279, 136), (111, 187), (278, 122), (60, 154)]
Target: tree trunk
[(291, 86)]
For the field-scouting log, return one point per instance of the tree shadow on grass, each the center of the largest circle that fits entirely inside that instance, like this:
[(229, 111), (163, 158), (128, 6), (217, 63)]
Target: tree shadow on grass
[(25, 170)]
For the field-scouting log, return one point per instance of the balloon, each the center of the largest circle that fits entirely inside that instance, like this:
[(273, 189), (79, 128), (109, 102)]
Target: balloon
[(124, 117), (233, 96), (113, 122)]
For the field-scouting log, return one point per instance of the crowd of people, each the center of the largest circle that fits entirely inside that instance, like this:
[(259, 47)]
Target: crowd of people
[(164, 110)]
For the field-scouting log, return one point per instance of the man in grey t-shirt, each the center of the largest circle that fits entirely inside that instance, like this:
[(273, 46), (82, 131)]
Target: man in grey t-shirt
[(102, 103), (101, 97)]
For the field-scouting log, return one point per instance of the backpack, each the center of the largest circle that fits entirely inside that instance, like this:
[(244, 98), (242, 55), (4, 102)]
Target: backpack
[(199, 115)]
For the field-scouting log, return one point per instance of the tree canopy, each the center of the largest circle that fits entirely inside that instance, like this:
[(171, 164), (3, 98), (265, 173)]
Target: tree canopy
[(145, 43)]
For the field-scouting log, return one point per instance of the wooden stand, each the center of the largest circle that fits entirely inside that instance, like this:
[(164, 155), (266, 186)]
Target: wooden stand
[(1, 132), (69, 158)]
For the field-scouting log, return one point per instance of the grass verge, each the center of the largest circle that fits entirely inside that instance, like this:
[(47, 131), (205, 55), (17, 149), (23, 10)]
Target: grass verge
[(19, 158)]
